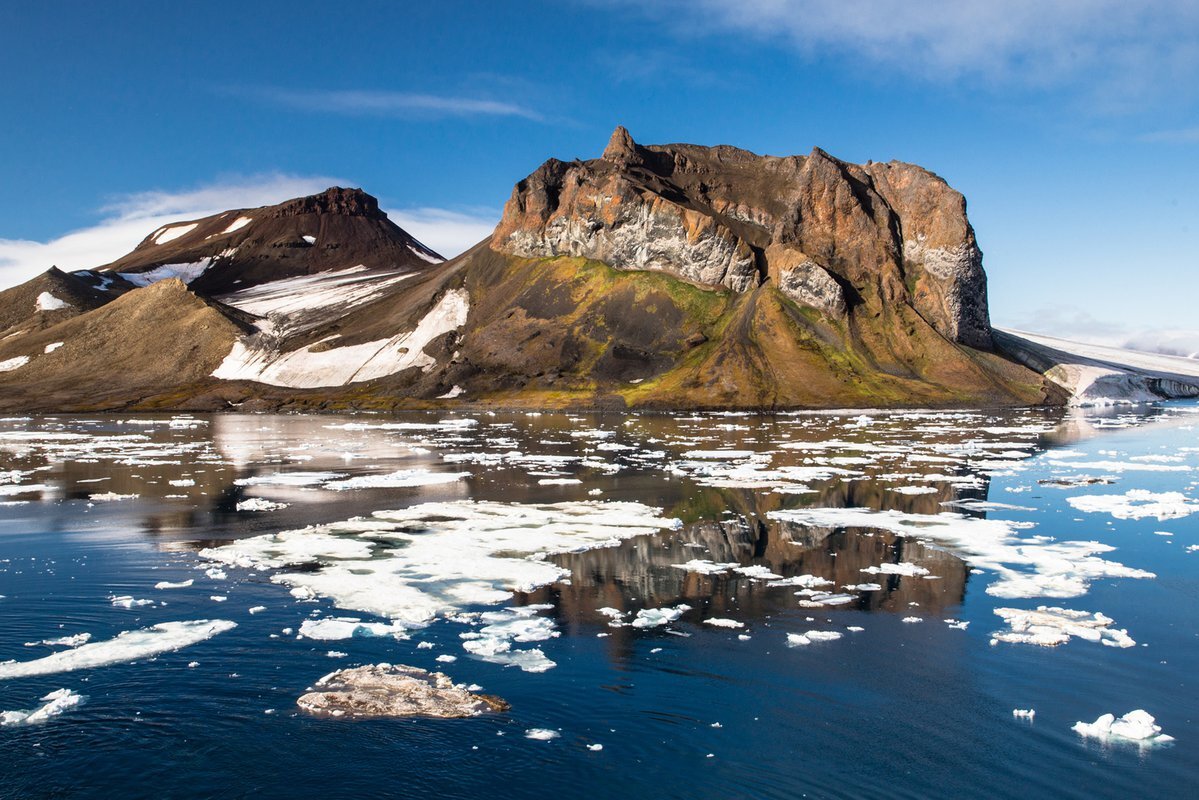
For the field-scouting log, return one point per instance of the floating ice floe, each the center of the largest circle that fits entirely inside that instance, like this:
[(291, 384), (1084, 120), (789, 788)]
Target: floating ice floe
[(111, 497), (655, 617), (494, 641), (541, 734), (1023, 567), (290, 479), (1024, 713), (705, 567), (429, 559), (335, 628), (399, 479), (127, 646), (177, 585), (900, 568), (1136, 726), (54, 704), (1049, 626), (801, 639), (259, 504), (720, 622), (128, 601), (1137, 504)]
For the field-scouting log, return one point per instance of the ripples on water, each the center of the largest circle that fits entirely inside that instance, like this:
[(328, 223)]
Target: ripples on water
[(907, 709)]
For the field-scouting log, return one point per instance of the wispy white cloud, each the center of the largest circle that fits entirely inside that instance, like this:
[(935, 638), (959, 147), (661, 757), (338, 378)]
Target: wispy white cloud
[(130, 218), (448, 232), (367, 102), (1125, 46), (1175, 136), (1080, 325)]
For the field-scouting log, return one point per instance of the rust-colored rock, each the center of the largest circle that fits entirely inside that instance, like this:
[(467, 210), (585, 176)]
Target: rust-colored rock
[(831, 235)]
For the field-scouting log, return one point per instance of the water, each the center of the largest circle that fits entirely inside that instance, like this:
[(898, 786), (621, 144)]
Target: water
[(687, 709)]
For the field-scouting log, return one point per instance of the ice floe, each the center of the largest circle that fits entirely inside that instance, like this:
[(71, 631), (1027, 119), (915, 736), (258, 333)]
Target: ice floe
[(127, 646), (1137, 504), (54, 704), (1023, 567), (399, 479), (656, 617), (260, 504), (416, 563), (1136, 726), (1049, 626), (801, 639), (541, 734)]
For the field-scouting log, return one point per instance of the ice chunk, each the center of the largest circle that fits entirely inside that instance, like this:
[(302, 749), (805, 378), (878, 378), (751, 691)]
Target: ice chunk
[(259, 504), (721, 622), (705, 567), (179, 585), (655, 617), (1137, 504), (541, 734), (55, 703), (127, 646), (1051, 626), (801, 639), (334, 628), (398, 479), (1136, 726)]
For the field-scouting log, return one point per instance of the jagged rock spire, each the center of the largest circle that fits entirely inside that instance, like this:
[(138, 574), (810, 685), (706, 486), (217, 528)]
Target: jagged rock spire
[(621, 148)]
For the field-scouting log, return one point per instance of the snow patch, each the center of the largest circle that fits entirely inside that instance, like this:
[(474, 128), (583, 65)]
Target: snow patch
[(338, 366), (48, 302)]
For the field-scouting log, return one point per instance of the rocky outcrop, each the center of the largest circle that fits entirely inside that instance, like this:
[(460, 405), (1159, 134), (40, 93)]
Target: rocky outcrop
[(395, 690), (831, 235)]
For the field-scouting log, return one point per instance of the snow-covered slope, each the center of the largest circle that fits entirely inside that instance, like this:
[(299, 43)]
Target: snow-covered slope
[(1098, 375)]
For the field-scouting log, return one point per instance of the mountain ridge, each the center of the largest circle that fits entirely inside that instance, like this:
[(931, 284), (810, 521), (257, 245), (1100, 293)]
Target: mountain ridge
[(655, 277)]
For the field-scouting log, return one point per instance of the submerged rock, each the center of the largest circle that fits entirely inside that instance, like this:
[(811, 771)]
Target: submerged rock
[(394, 690)]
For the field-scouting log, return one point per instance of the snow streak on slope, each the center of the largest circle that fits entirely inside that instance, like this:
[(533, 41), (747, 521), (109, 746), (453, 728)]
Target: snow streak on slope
[(296, 304), (337, 366)]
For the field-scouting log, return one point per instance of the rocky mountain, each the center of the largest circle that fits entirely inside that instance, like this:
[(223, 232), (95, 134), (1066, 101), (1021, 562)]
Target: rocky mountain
[(672, 276)]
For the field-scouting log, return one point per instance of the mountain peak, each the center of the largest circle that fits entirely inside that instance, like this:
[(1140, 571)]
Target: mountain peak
[(334, 200), (621, 148)]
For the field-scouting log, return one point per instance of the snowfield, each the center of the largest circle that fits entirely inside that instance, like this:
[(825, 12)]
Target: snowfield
[(338, 366)]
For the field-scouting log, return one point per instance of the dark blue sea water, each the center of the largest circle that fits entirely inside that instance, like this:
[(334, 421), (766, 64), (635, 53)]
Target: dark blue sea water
[(687, 710)]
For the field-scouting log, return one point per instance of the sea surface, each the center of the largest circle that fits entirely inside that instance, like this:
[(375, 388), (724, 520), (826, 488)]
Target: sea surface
[(573, 565)]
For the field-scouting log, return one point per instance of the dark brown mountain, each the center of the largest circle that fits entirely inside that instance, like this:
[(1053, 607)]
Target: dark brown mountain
[(337, 229), (670, 276)]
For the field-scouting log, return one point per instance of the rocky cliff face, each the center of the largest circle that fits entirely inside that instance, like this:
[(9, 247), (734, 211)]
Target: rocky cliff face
[(842, 239)]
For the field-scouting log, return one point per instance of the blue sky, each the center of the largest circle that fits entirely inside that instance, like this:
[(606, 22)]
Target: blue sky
[(1072, 127)]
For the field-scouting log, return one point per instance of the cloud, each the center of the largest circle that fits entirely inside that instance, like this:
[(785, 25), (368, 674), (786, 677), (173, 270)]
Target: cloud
[(1125, 46), (1177, 136), (447, 232), (1078, 324), (130, 218), (366, 102)]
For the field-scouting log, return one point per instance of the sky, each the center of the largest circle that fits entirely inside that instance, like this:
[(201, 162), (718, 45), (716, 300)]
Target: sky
[(1072, 127)]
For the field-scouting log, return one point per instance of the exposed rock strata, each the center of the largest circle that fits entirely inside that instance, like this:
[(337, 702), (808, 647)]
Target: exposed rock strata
[(882, 233)]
